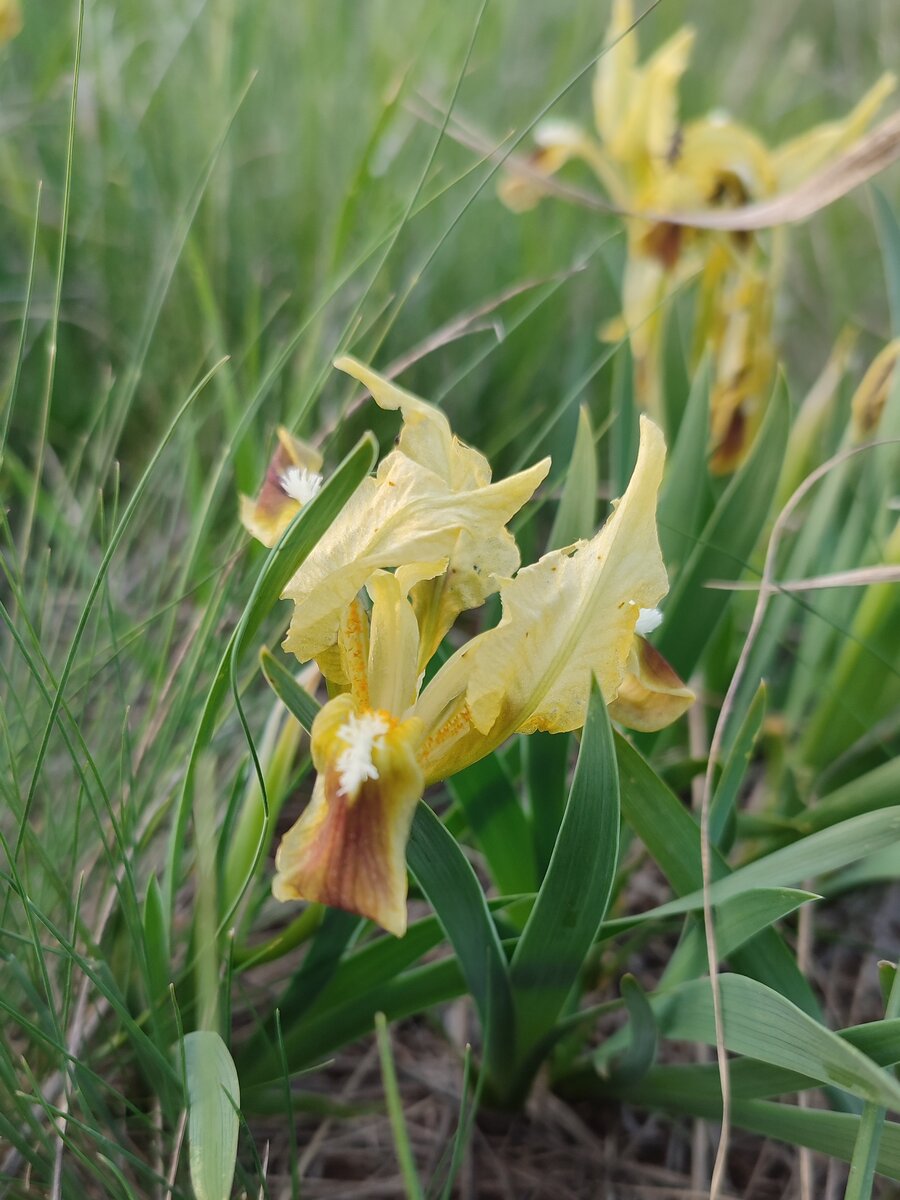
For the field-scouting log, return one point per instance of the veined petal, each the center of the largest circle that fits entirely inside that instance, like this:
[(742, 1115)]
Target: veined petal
[(799, 157), (651, 695), (426, 436), (566, 618), (407, 515), (348, 849), (431, 500), (292, 478)]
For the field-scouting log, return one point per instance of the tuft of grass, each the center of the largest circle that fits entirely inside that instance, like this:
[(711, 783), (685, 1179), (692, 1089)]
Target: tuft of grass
[(203, 204)]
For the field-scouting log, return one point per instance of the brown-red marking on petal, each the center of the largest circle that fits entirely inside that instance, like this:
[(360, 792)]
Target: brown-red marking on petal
[(651, 695), (267, 517), (349, 851)]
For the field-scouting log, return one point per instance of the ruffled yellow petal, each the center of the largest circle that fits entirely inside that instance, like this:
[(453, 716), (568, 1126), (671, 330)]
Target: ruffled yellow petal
[(475, 569), (798, 158), (406, 515), (871, 396), (348, 849), (426, 437), (431, 500), (566, 618), (291, 478), (651, 695)]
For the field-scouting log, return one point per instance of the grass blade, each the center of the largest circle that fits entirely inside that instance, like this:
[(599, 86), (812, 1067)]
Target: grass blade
[(445, 876), (411, 1183), (725, 545), (572, 900)]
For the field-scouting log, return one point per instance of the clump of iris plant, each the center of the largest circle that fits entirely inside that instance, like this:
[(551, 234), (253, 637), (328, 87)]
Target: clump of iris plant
[(649, 160), (419, 543)]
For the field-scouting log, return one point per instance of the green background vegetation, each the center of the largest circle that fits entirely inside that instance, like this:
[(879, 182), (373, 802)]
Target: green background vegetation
[(260, 181)]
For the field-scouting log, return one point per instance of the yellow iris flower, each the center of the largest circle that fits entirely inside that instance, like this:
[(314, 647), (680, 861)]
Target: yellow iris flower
[(649, 161), (424, 539)]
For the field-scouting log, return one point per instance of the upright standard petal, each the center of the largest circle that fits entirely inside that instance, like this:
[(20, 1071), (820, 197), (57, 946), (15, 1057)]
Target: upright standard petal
[(348, 849), (647, 131), (616, 76), (432, 499), (292, 479)]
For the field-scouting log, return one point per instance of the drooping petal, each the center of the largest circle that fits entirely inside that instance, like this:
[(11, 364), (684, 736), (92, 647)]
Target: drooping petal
[(556, 143), (431, 500), (647, 287), (796, 159), (348, 849), (651, 695), (292, 478), (566, 618)]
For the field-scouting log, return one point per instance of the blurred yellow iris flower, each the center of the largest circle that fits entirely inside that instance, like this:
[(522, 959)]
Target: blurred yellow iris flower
[(424, 539), (10, 19), (870, 398), (648, 160)]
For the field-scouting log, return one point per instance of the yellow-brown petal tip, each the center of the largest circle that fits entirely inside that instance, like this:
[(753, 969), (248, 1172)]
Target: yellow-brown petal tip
[(348, 849), (651, 695), (293, 468)]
